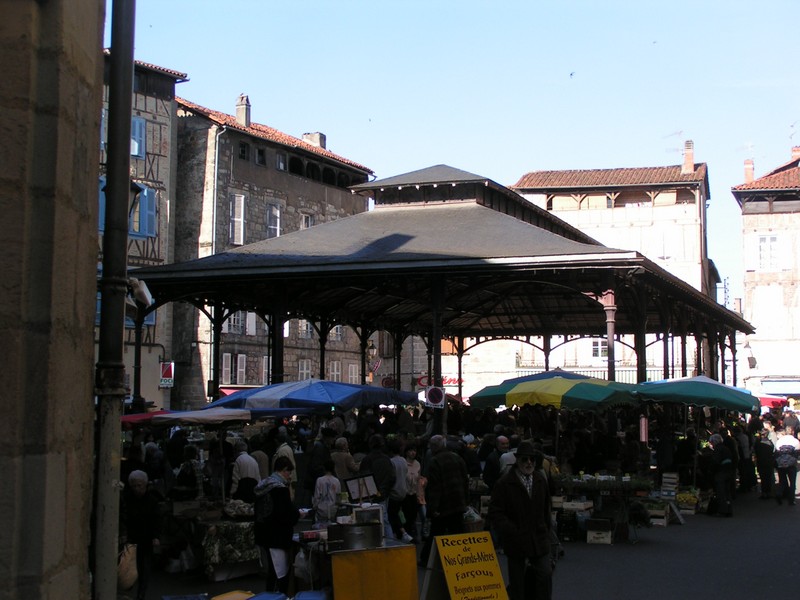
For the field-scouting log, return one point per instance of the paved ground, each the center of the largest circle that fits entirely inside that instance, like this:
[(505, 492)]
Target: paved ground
[(753, 555)]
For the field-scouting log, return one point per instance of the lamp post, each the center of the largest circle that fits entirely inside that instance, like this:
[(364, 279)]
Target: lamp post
[(372, 353)]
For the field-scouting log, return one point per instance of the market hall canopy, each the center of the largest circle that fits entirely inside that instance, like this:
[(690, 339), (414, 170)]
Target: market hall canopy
[(446, 253)]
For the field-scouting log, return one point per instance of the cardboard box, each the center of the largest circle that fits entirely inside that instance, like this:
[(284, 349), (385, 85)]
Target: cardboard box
[(598, 537), (557, 501), (578, 505)]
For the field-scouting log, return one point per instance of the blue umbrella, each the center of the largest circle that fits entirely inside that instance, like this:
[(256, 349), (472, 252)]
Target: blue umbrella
[(700, 391), (313, 395)]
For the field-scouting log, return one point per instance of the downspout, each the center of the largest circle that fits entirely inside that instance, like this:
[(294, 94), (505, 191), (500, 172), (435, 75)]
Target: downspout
[(215, 354)]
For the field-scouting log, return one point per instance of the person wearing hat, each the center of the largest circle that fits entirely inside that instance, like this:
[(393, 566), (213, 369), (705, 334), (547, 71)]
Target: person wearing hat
[(519, 510)]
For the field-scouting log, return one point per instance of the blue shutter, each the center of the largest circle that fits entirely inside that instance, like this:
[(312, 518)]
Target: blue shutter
[(150, 225), (138, 131), (101, 213)]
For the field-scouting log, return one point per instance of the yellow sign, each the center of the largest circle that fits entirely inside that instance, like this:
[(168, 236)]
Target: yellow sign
[(470, 566)]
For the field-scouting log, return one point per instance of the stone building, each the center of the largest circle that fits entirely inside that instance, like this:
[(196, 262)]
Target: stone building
[(771, 235), (658, 211), (52, 65), (241, 182), (151, 230)]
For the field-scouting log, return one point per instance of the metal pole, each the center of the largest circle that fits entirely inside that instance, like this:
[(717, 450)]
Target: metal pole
[(110, 371)]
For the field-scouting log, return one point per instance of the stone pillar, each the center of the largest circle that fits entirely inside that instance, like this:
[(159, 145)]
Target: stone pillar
[(52, 65)]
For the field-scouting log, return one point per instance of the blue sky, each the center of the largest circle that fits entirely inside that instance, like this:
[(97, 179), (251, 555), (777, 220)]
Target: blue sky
[(505, 87)]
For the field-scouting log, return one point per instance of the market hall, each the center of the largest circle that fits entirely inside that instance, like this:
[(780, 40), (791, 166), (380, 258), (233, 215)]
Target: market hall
[(447, 254)]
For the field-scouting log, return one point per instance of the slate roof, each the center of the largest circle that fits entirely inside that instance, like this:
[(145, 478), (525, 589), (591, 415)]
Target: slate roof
[(437, 174), (400, 235), (268, 133), (612, 178)]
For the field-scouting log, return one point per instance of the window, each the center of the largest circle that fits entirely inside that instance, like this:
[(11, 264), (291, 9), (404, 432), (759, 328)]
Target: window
[(250, 323), (143, 221), (237, 219), (265, 368), (306, 221), (336, 334), (138, 136), (768, 253), (273, 220), (235, 322), (335, 370), (244, 150), (599, 348), (241, 368), (261, 157), (303, 369), (286, 329), (234, 369), (280, 161), (225, 376), (352, 374), (305, 329)]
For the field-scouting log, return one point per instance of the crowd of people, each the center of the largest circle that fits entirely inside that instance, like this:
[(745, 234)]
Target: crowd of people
[(425, 481)]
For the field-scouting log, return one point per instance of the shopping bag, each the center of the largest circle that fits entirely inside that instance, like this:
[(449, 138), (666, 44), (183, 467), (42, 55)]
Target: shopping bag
[(126, 567)]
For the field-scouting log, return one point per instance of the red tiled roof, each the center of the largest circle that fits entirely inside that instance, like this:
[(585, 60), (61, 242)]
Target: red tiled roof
[(266, 133), (610, 177), (785, 177), (177, 75)]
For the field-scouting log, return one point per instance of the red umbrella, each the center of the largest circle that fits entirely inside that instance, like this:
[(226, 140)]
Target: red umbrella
[(773, 401), (129, 421)]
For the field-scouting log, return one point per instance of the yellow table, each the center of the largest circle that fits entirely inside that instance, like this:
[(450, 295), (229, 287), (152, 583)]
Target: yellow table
[(385, 572)]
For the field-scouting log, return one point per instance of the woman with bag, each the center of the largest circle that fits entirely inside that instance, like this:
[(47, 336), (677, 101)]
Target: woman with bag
[(276, 516)]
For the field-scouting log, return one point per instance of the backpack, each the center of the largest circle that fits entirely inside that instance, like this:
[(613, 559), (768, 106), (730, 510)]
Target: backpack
[(785, 457)]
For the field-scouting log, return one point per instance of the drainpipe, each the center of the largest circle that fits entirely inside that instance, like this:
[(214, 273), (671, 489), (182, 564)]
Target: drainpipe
[(214, 357), (110, 369)]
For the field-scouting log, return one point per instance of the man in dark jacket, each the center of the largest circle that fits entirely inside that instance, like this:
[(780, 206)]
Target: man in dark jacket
[(446, 493), (378, 464), (520, 510)]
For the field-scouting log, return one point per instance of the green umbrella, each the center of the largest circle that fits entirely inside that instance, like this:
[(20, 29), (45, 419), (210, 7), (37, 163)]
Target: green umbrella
[(700, 391)]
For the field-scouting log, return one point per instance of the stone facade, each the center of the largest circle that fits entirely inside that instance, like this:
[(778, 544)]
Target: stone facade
[(50, 57), (238, 183), (771, 236)]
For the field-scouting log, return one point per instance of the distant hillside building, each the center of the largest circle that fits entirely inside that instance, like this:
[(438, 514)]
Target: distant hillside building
[(771, 235), (241, 182)]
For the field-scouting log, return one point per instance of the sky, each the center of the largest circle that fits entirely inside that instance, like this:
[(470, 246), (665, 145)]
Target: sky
[(500, 88)]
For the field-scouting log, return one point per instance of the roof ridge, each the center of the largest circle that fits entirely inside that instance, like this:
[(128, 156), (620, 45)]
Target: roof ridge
[(263, 131)]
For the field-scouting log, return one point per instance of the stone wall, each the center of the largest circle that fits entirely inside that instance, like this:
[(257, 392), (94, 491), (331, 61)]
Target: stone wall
[(50, 106)]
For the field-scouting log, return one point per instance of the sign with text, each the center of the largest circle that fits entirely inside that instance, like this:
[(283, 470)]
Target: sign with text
[(470, 566), (167, 375)]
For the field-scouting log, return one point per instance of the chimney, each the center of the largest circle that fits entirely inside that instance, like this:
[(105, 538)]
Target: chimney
[(748, 170), (317, 139), (243, 110), (688, 158), (795, 152)]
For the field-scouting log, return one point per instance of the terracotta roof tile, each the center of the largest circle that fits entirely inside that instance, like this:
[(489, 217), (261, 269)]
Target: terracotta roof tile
[(610, 177), (177, 75), (266, 133), (785, 177)]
